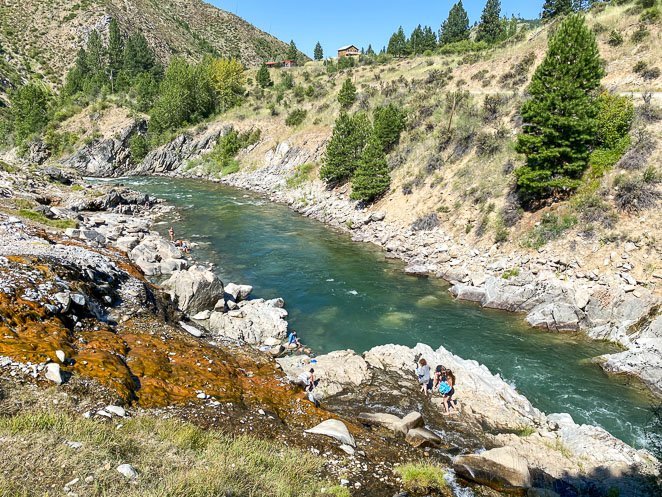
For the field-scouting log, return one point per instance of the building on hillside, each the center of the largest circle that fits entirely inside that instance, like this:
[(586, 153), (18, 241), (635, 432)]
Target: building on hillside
[(284, 63), (289, 63), (348, 51), (271, 65)]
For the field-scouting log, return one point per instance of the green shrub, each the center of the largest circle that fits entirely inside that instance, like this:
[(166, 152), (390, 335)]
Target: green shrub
[(550, 228), (222, 159), (650, 16), (29, 110), (640, 35), (350, 135), (422, 477), (389, 123), (602, 160), (139, 147), (59, 143), (510, 273), (302, 174), (296, 117), (615, 38), (347, 95), (614, 119)]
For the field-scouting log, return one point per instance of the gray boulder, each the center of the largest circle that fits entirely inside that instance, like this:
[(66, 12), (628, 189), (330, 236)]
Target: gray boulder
[(502, 469), (253, 322), (194, 290), (422, 437)]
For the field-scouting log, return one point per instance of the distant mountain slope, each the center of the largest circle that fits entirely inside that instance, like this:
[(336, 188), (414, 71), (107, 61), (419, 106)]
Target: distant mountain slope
[(42, 37)]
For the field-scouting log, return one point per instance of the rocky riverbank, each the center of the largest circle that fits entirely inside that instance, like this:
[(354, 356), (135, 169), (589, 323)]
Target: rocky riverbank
[(559, 292)]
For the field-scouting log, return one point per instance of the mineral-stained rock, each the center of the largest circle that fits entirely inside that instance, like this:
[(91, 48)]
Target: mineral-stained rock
[(502, 469)]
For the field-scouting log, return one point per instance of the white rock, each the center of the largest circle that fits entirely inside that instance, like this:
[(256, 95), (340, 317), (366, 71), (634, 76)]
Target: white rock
[(53, 373), (336, 429), (61, 356), (116, 410), (127, 471), (191, 329), (202, 316)]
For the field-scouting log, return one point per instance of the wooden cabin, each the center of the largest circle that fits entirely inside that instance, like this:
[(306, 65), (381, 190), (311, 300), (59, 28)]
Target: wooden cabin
[(348, 51)]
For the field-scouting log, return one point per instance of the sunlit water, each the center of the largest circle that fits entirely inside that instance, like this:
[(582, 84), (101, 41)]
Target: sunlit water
[(345, 295)]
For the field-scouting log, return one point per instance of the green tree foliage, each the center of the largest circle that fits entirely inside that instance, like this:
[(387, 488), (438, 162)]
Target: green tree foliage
[(77, 76), (560, 117), (293, 52), (615, 115), (263, 77), (29, 111), (456, 27), (139, 148), (344, 150), (139, 57), (422, 39), (186, 96), (115, 50), (555, 8), (397, 45), (389, 123), (490, 29), (371, 178), (347, 95), (370, 51), (228, 79), (318, 52), (96, 62)]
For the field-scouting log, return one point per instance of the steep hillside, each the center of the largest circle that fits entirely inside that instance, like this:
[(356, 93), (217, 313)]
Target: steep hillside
[(41, 39)]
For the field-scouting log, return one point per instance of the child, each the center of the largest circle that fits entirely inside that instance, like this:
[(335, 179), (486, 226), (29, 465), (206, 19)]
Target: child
[(423, 374)]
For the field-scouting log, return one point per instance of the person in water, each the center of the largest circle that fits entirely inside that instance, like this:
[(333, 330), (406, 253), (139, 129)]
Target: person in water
[(423, 374), (171, 232), (293, 340)]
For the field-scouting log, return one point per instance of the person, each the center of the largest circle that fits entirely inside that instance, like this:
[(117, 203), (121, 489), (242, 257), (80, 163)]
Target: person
[(307, 379), (293, 340), (423, 374), (171, 232), (447, 390), (438, 373)]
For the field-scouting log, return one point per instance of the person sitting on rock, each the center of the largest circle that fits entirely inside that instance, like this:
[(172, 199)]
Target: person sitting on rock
[(293, 340), (423, 374), (307, 380)]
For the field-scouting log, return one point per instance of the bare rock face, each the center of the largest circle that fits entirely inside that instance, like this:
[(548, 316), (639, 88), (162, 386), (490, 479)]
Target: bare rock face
[(156, 256), (337, 371), (253, 322), (502, 469), (194, 290)]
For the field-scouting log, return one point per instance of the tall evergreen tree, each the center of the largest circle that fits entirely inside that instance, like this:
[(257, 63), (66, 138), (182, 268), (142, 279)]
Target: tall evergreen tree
[(490, 28), (77, 75), (429, 39), (560, 117), (371, 178), (389, 123), (397, 45), (319, 52), (345, 147), (138, 57), (115, 49), (555, 8), (416, 41), (347, 95), (456, 27), (369, 50), (96, 55), (29, 110), (293, 52), (263, 77)]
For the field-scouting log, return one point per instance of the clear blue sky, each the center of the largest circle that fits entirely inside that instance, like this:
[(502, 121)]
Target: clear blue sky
[(359, 22)]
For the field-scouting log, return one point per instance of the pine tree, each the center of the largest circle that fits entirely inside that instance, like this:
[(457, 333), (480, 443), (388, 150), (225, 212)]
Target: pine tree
[(416, 41), (389, 123), (370, 50), (115, 50), (293, 52), (456, 27), (263, 77), (29, 111), (490, 28), (138, 57), (347, 95), (345, 147), (96, 56), (319, 53), (429, 39), (77, 75), (554, 8), (397, 45), (371, 178), (560, 117)]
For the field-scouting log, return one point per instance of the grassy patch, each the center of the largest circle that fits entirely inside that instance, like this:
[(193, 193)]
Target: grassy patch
[(38, 217), (173, 458), (422, 477), (302, 174), (551, 227), (510, 273)]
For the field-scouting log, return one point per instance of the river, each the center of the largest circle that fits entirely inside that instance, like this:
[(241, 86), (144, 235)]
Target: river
[(345, 295)]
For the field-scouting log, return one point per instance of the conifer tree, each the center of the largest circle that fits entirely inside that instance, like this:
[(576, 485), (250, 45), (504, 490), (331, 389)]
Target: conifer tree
[(293, 52), (555, 8), (560, 116), (319, 53), (389, 123), (456, 27), (138, 57), (490, 28), (96, 56), (263, 77), (77, 75), (370, 50), (397, 45), (347, 95), (29, 110), (345, 147), (416, 41), (429, 39), (115, 49), (371, 178)]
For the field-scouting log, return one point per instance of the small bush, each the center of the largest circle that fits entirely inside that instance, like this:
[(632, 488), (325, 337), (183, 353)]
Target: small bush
[(510, 273), (492, 105), (296, 117), (422, 477), (593, 209), (640, 35), (139, 147), (426, 223), (642, 148), (488, 144), (640, 67), (646, 4), (615, 38), (302, 174), (550, 228), (650, 16), (635, 195), (651, 73)]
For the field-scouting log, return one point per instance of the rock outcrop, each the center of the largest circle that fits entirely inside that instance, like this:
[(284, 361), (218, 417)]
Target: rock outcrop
[(195, 289), (253, 321), (502, 468)]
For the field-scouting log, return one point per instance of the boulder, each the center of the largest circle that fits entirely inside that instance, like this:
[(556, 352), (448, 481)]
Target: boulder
[(389, 421), (410, 421), (555, 316), (334, 428), (194, 290), (338, 371), (237, 292), (254, 323), (502, 469), (422, 437), (53, 373), (127, 243), (127, 471), (191, 329)]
